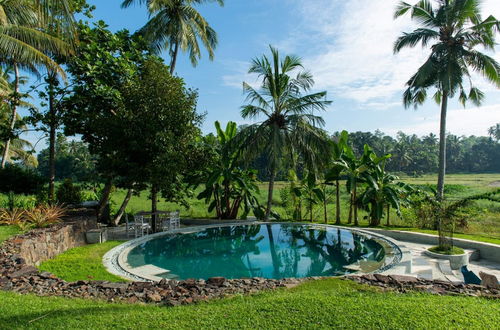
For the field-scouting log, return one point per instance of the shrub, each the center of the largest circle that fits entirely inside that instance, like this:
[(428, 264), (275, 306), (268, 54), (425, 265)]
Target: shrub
[(11, 216), (20, 180), (69, 193), (44, 216)]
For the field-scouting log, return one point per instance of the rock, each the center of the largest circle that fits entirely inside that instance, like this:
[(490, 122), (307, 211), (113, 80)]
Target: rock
[(382, 278), (403, 279), (154, 297), (27, 270), (217, 281)]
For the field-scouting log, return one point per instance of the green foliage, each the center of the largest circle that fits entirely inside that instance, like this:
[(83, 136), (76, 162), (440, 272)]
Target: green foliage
[(332, 303), (229, 188), (69, 193), (20, 180), (452, 251), (82, 263)]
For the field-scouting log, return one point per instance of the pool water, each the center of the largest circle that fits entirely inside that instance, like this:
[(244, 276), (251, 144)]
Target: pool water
[(264, 250)]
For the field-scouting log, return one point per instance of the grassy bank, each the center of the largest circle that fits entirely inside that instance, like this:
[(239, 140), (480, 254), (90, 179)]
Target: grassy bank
[(322, 304), (82, 263), (8, 231)]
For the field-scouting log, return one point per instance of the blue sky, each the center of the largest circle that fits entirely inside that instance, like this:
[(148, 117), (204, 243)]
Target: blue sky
[(347, 45)]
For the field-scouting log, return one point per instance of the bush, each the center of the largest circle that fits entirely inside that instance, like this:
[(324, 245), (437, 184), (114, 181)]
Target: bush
[(68, 193), (20, 180)]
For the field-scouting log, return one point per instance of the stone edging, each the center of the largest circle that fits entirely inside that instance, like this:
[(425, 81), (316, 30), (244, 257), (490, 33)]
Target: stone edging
[(405, 284), (115, 259)]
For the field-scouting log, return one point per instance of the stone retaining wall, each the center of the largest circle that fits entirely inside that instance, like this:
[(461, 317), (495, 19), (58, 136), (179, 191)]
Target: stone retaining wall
[(39, 245)]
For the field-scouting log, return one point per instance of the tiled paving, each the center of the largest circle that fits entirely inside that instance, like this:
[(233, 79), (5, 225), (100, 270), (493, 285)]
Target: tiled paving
[(437, 269)]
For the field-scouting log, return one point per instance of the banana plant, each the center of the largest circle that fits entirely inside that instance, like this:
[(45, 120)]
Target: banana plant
[(383, 191), (337, 168), (228, 187), (308, 192)]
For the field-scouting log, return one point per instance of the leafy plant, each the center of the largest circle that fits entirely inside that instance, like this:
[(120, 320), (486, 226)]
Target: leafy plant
[(69, 193), (44, 216), (11, 217)]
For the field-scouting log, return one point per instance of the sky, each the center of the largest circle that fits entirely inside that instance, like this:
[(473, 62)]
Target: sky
[(347, 46)]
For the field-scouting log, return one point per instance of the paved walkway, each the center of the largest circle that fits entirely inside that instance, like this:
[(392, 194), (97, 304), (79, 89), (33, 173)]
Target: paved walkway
[(429, 268)]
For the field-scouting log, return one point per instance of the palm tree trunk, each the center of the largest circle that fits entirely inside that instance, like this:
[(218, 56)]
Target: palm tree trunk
[(13, 114), (173, 61), (349, 220), (121, 211), (442, 147), (270, 192), (337, 198), (324, 204), (52, 140), (154, 206), (355, 206), (388, 214)]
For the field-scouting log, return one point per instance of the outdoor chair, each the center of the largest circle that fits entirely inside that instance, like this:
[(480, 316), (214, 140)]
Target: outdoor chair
[(469, 276), (175, 220), (141, 226)]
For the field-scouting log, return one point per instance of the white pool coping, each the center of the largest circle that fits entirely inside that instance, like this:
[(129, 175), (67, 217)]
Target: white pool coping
[(115, 260)]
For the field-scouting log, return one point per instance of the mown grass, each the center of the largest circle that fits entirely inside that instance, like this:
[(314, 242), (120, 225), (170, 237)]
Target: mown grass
[(455, 250), (82, 263), (325, 304), (8, 231)]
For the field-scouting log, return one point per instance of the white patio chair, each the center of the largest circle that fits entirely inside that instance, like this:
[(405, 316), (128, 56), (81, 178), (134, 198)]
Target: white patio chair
[(141, 226), (175, 220)]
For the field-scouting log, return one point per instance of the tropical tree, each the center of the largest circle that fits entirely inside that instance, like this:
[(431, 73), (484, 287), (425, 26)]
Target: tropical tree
[(25, 45), (494, 132), (383, 191), (337, 168), (290, 126), (177, 25), (457, 29), (228, 187)]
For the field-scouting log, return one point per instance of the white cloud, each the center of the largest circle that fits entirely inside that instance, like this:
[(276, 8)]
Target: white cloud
[(353, 57), (469, 121)]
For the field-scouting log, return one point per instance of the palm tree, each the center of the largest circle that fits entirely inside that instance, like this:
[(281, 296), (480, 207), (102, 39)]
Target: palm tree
[(494, 132), (457, 28), (289, 126), (176, 24), (24, 45)]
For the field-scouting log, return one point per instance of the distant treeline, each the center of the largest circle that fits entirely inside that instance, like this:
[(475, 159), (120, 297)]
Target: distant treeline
[(416, 155), (411, 154)]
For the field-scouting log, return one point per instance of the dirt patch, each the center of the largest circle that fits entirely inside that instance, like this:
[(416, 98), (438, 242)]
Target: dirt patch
[(494, 184)]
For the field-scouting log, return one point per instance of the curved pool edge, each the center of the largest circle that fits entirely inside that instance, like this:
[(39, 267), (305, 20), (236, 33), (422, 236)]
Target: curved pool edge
[(115, 260)]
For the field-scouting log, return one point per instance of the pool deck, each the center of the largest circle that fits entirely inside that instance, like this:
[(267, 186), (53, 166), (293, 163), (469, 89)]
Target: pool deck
[(422, 266)]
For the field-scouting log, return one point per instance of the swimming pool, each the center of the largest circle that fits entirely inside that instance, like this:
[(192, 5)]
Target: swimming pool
[(269, 250)]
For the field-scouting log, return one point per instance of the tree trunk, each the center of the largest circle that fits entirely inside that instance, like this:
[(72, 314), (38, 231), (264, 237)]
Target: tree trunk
[(154, 207), (355, 206), (388, 215), (173, 61), (52, 142), (442, 147), (337, 199), (349, 220), (324, 204), (13, 118), (270, 193), (104, 198), (121, 211)]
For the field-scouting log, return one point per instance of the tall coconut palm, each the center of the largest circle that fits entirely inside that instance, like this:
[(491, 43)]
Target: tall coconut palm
[(24, 44), (176, 24), (456, 29), (290, 125)]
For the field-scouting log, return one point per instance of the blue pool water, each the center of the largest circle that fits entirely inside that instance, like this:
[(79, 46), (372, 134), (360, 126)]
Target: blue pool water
[(264, 250)]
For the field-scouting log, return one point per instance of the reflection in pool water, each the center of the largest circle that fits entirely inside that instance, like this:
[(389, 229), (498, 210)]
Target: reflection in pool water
[(266, 250)]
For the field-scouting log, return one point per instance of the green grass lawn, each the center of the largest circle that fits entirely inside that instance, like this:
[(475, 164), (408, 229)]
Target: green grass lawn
[(82, 263), (8, 231), (330, 303)]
